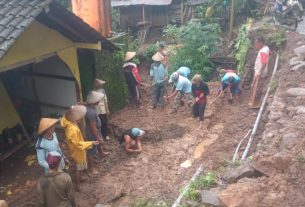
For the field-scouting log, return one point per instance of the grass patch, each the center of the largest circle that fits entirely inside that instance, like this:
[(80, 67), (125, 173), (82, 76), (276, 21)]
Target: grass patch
[(146, 203), (202, 182)]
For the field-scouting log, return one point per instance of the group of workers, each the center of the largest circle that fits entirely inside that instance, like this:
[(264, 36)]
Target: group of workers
[(85, 125)]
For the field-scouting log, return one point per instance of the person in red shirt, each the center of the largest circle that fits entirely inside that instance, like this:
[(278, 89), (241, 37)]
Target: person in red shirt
[(132, 78), (200, 92)]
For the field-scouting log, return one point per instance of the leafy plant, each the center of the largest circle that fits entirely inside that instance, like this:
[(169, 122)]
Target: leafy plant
[(197, 42), (242, 46), (204, 181), (150, 51)]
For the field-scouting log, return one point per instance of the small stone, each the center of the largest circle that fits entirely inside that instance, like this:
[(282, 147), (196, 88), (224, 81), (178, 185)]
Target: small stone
[(233, 175), (296, 92), (300, 51), (300, 65), (300, 110), (210, 197)]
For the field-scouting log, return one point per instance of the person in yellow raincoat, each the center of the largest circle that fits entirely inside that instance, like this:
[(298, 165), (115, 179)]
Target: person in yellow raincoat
[(76, 145)]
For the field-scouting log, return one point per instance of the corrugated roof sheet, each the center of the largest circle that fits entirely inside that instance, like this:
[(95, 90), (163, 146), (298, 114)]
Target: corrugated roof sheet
[(119, 3), (17, 15)]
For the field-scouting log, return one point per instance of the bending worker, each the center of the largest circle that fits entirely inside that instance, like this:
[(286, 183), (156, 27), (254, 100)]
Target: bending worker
[(232, 81), (131, 139), (183, 71), (183, 90)]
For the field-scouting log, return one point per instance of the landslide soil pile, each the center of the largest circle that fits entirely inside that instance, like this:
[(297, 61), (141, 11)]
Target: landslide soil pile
[(280, 154)]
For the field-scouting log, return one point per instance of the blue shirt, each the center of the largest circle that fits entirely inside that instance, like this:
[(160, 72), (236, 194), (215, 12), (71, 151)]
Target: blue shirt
[(184, 85), (226, 77), (158, 72), (43, 147), (184, 71)]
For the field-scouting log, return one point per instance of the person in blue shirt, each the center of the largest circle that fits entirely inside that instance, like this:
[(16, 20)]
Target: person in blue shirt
[(231, 80), (47, 142), (184, 71), (183, 90), (158, 74)]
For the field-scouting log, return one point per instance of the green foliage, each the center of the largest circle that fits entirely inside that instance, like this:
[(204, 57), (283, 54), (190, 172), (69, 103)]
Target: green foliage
[(276, 39), (274, 84), (115, 15), (197, 42), (147, 203), (300, 158), (150, 51), (202, 182), (242, 46), (109, 68)]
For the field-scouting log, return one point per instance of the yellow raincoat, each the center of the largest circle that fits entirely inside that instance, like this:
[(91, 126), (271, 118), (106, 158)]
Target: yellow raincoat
[(76, 144)]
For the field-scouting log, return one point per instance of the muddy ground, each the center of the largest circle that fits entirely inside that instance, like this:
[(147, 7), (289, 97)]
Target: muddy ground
[(156, 174), (280, 153)]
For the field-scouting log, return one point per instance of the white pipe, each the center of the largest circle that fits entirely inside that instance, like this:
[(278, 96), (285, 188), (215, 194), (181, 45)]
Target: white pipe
[(239, 144), (178, 201), (259, 116)]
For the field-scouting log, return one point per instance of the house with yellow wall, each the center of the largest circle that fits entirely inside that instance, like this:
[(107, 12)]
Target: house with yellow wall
[(40, 44)]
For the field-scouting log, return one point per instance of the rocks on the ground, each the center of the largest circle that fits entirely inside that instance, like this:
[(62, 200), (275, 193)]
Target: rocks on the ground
[(272, 164), (300, 51), (296, 92), (298, 66), (243, 171), (210, 197), (288, 141), (295, 60)]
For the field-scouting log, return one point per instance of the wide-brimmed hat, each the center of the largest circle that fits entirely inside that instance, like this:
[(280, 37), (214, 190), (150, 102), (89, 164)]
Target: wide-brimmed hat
[(46, 123), (158, 57), (130, 55), (94, 97), (98, 83), (75, 113), (137, 132)]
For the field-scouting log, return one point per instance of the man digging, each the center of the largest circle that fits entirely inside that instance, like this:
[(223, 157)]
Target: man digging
[(260, 71), (183, 91)]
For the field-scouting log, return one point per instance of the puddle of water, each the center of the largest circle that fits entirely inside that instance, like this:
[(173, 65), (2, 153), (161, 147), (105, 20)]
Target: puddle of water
[(199, 150)]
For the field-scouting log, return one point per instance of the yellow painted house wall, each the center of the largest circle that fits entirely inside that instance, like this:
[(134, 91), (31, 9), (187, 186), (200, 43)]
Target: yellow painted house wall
[(37, 41), (9, 116)]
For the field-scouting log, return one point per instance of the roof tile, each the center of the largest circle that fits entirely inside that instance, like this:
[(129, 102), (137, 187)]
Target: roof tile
[(6, 20)]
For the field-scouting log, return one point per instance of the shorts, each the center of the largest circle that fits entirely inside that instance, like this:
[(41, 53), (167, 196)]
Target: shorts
[(234, 88), (81, 166), (93, 150)]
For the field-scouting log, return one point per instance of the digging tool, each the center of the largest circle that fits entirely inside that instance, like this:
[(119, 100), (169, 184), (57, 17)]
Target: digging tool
[(212, 102)]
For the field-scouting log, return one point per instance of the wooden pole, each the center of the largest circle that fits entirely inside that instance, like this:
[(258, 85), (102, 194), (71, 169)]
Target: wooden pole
[(232, 20)]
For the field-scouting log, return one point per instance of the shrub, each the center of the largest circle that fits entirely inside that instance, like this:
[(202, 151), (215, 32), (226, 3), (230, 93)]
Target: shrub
[(197, 42)]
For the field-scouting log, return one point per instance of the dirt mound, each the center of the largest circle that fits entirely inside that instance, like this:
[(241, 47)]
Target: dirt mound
[(280, 154)]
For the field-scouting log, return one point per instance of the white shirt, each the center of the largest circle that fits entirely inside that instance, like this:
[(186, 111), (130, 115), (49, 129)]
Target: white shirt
[(258, 70), (101, 107)]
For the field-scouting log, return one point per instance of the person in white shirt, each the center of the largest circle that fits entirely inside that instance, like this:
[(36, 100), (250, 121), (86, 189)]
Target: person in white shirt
[(260, 71), (102, 108)]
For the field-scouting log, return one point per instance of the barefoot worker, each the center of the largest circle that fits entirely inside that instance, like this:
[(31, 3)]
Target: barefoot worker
[(200, 92), (55, 188), (158, 74), (131, 139), (46, 142), (260, 71), (102, 107), (231, 80), (76, 145), (183, 90), (132, 78), (93, 128)]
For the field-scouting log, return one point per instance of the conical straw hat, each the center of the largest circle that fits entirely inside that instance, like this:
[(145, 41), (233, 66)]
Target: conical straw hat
[(158, 57), (46, 123), (94, 97), (76, 112), (130, 55), (98, 83)]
